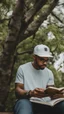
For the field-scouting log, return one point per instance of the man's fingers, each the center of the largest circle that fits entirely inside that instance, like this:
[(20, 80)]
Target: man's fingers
[(39, 90)]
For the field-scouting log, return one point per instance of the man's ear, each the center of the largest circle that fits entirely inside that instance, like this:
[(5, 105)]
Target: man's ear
[(34, 57)]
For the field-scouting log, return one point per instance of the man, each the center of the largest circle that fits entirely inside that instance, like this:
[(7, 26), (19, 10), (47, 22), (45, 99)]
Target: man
[(31, 80)]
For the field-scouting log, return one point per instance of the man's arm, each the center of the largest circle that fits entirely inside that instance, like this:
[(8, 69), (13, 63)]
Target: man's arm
[(20, 92)]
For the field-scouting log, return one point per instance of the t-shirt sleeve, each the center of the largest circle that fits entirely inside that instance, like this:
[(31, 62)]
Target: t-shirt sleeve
[(51, 78), (19, 76)]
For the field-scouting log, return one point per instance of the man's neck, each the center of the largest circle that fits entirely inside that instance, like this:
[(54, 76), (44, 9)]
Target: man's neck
[(35, 66)]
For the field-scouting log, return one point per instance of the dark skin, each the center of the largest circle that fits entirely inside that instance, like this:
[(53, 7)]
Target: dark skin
[(37, 92), (39, 63)]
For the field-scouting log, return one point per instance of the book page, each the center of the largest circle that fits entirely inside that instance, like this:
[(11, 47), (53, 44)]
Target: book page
[(53, 90), (55, 101), (39, 100), (49, 103)]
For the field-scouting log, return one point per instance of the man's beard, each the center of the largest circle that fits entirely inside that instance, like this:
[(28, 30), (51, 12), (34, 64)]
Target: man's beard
[(39, 66), (42, 68)]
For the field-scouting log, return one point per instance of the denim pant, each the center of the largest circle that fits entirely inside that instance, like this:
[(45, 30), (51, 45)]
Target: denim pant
[(24, 106)]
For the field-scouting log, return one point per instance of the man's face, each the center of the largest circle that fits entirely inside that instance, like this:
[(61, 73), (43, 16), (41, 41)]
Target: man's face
[(40, 62)]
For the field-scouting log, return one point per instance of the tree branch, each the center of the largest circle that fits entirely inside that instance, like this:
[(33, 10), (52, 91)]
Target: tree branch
[(32, 12), (28, 51), (37, 6), (32, 28), (14, 26), (56, 17)]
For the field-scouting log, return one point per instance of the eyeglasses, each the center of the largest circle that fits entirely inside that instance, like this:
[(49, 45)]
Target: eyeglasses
[(42, 59)]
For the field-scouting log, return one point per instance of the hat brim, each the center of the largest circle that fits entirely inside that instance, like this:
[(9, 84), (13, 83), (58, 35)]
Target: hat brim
[(44, 55)]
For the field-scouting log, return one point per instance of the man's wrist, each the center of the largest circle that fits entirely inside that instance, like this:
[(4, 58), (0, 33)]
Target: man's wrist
[(28, 94)]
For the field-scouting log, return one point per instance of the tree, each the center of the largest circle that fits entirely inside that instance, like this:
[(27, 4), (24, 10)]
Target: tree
[(26, 18)]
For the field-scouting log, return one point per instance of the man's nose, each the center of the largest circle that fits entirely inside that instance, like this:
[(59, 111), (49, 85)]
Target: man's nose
[(45, 62)]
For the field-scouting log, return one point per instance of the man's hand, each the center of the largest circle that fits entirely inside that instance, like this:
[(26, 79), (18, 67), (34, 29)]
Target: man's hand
[(38, 92), (59, 95)]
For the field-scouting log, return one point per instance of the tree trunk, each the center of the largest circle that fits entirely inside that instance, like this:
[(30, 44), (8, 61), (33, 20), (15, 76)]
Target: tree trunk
[(21, 26)]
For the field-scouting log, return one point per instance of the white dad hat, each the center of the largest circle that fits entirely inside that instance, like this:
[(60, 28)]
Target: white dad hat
[(42, 51)]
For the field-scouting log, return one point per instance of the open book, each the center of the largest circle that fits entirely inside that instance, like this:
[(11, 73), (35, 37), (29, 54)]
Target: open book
[(53, 90), (42, 101)]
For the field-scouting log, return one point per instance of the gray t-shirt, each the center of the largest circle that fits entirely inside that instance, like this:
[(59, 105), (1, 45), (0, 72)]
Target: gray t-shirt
[(33, 78)]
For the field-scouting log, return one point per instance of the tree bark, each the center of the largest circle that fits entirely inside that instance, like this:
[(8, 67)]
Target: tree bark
[(21, 26)]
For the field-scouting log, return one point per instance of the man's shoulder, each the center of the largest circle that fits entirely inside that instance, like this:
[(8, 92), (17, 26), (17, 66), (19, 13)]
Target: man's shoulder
[(47, 69), (25, 65)]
